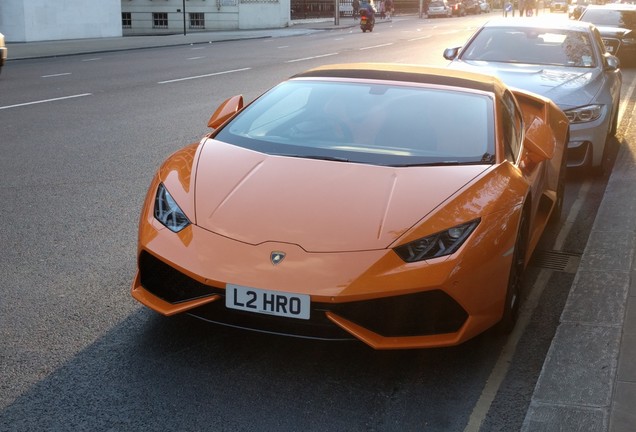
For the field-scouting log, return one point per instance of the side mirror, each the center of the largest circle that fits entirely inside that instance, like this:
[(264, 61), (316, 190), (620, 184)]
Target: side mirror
[(451, 53), (539, 141), (225, 111), (612, 62)]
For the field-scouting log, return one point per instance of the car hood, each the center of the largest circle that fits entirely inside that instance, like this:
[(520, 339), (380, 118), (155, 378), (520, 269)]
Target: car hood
[(567, 87), (607, 31), (321, 206)]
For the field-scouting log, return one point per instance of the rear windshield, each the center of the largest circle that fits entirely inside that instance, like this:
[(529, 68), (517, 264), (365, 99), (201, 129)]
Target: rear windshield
[(556, 47), (611, 18), (367, 122)]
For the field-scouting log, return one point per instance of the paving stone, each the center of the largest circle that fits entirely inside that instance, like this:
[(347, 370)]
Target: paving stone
[(551, 418), (580, 366), (597, 298)]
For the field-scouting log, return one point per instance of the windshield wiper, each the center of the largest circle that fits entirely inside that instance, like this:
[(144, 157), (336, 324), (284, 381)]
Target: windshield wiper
[(326, 158)]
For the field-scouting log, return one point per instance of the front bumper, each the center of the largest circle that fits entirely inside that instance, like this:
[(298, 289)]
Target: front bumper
[(587, 141), (372, 296)]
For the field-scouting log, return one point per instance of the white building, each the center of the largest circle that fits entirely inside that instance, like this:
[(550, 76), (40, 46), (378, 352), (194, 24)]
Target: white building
[(169, 16), (41, 20)]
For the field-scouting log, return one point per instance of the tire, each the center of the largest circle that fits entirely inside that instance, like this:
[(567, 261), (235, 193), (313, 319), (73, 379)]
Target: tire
[(517, 266)]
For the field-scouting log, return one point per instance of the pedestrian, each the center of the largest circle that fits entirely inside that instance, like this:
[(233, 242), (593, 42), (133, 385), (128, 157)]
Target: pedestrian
[(522, 8), (388, 5), (356, 8)]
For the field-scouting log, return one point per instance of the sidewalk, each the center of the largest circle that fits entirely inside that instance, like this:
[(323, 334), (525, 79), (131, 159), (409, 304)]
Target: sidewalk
[(588, 380), (26, 50)]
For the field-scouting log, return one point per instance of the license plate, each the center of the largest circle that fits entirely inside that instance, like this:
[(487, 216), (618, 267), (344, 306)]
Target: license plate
[(267, 302)]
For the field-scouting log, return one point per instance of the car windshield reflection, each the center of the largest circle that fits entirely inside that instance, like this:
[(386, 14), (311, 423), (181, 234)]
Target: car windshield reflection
[(554, 47), (367, 122)]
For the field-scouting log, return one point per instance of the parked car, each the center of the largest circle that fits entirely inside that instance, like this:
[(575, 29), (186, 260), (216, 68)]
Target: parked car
[(3, 52), (439, 8), (559, 6), (617, 25), (393, 204), (458, 8), (561, 59), (472, 7), (484, 6)]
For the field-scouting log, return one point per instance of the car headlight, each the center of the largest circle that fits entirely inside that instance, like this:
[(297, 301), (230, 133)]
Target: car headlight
[(584, 114), (168, 212), (438, 244)]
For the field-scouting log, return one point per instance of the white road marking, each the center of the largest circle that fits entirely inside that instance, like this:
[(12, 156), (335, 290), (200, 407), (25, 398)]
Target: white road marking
[(45, 101), (527, 308), (196, 58), (55, 75), (203, 76), (503, 362), (419, 38), (376, 46), (525, 313), (92, 59), (628, 97), (311, 58)]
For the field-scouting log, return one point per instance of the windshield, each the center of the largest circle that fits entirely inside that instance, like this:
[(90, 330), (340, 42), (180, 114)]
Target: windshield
[(611, 18), (370, 122), (532, 46)]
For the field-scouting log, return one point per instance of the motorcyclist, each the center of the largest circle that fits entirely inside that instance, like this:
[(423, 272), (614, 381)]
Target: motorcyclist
[(368, 10)]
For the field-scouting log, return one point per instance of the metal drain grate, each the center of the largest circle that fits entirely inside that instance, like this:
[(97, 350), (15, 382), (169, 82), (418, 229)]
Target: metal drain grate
[(567, 262)]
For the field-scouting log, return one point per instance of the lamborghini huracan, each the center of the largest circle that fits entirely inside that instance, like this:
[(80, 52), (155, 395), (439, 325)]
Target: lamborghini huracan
[(393, 204)]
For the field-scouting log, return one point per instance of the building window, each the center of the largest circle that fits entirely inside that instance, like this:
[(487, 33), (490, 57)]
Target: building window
[(197, 20), (126, 20), (160, 20)]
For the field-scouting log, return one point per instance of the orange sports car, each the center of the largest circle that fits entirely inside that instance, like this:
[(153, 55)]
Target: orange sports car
[(394, 204)]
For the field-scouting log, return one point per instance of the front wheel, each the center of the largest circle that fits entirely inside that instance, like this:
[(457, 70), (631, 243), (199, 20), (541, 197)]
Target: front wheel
[(517, 266)]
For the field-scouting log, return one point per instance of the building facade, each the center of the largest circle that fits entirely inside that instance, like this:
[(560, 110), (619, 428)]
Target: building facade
[(170, 16), (42, 20)]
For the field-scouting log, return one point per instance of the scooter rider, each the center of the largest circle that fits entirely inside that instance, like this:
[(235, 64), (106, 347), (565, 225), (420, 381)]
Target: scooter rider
[(367, 9)]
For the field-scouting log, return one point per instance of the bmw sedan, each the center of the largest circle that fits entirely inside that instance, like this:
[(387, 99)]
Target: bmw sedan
[(562, 60)]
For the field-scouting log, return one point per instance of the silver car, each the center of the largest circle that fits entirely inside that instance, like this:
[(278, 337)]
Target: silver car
[(560, 59), (439, 8)]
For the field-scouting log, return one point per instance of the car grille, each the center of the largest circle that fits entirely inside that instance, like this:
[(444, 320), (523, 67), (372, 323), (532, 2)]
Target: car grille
[(169, 284), (424, 313), (419, 314)]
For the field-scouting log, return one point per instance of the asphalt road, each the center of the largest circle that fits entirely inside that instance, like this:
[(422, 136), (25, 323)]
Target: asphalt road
[(81, 137)]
